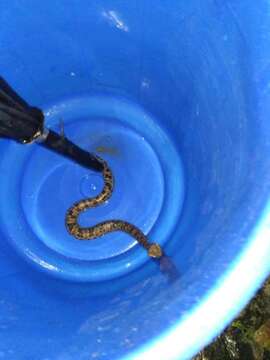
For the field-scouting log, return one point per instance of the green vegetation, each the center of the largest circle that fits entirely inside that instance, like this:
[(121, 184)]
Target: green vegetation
[(248, 337)]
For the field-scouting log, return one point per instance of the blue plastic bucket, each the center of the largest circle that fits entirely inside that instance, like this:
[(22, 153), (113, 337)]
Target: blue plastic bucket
[(175, 96)]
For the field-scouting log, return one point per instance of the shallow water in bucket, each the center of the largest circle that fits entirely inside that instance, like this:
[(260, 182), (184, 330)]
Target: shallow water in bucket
[(176, 98)]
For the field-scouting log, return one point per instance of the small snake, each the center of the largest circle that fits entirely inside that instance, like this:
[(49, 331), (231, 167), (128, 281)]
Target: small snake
[(90, 233)]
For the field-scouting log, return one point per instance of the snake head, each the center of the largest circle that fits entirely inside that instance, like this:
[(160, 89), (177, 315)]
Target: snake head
[(155, 251)]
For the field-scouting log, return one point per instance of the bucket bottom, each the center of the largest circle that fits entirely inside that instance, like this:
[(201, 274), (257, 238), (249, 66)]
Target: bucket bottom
[(148, 191)]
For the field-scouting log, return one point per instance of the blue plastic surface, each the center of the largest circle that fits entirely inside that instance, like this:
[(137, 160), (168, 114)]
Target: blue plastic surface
[(176, 97)]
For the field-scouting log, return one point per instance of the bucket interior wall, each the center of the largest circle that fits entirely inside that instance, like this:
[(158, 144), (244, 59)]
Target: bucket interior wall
[(191, 78)]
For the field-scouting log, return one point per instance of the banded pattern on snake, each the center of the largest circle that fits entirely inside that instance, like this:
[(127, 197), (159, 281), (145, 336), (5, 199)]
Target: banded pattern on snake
[(89, 233)]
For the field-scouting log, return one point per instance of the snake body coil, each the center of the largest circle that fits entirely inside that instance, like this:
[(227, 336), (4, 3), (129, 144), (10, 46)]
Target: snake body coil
[(90, 233)]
